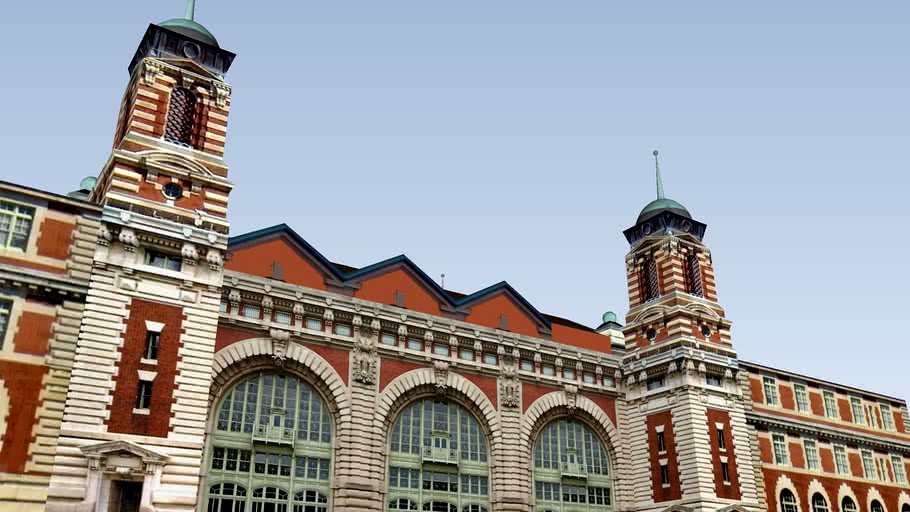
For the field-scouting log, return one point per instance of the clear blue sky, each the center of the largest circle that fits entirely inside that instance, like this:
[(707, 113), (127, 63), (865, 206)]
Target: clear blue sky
[(512, 140)]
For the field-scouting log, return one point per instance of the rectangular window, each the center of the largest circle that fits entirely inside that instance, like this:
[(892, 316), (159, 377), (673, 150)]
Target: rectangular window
[(721, 443), (868, 464), (282, 317), (856, 407), (712, 379), (664, 475), (725, 472), (466, 354), (548, 370), (144, 396), (840, 460), (770, 386), (314, 324), (568, 373), (389, 339), (812, 460), (655, 383), (223, 307), (661, 442), (251, 311), (343, 329), (15, 225), (489, 358), (802, 397), (588, 377), (151, 345), (830, 404), (897, 463), (440, 349), (527, 365), (162, 260), (780, 450), (5, 308), (884, 409), (415, 344)]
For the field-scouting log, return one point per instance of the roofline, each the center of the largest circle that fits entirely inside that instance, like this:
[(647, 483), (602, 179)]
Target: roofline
[(285, 229), (52, 196), (401, 259), (821, 381), (504, 285)]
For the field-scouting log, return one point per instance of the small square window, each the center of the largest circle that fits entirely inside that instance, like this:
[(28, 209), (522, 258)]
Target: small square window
[(389, 339), (283, 317), (712, 379), (343, 329), (223, 307), (655, 383), (415, 344), (162, 260), (527, 365), (15, 225), (548, 370), (588, 377), (466, 354), (251, 311), (152, 339), (489, 358), (144, 396), (314, 324), (440, 349), (568, 373)]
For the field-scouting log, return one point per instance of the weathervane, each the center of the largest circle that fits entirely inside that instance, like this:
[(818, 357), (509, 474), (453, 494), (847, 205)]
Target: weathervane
[(660, 183)]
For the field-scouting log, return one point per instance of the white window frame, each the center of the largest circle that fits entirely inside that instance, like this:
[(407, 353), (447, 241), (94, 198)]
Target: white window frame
[(801, 390), (842, 468), (770, 390), (868, 459), (887, 417), (833, 411), (856, 403), (813, 460), (779, 442), (897, 466), (6, 316), (16, 216)]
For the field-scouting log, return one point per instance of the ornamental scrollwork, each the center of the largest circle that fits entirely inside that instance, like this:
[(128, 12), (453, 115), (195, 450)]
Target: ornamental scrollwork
[(280, 340), (364, 353), (441, 376), (509, 385)]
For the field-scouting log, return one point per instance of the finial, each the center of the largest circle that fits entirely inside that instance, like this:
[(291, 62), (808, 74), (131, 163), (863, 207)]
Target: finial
[(190, 9), (660, 183)]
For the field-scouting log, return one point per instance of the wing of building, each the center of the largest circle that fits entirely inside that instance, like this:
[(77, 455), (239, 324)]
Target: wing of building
[(148, 361)]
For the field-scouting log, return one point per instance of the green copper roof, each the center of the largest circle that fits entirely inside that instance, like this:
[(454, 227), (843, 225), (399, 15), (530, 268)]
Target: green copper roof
[(188, 27), (661, 203)]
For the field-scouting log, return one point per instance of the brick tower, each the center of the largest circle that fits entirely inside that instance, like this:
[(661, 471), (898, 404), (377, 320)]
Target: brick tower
[(138, 398), (685, 413)]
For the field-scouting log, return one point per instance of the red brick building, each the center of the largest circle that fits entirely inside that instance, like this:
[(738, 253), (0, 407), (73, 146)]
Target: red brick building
[(152, 362)]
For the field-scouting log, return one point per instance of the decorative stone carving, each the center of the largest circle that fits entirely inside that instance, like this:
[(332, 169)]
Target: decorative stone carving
[(129, 239), (571, 397), (365, 357), (453, 345), (298, 310), (150, 71), (214, 258), (441, 375), (267, 305), (558, 364), (187, 81), (221, 92), (702, 368), (509, 385), (189, 253), (672, 368), (672, 246), (104, 236), (234, 299), (280, 340), (329, 318), (402, 335), (428, 340)]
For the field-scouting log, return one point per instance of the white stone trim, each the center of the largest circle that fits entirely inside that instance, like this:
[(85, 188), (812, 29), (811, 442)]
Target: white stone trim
[(784, 482), (845, 491), (816, 487), (873, 494), (147, 375), (151, 326)]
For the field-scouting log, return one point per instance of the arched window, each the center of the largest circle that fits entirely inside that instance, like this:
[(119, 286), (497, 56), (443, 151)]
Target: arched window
[(438, 458), (905, 508), (819, 503), (788, 501), (571, 467), (650, 279), (181, 117), (847, 505), (693, 276), (272, 434), (876, 506)]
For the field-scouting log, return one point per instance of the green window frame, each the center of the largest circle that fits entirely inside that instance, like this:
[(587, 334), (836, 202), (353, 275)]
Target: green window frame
[(571, 468), (15, 225)]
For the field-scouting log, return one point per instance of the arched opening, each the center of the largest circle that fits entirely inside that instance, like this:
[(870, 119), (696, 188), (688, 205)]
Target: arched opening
[(847, 504), (905, 508), (438, 458), (273, 436), (876, 506), (571, 469), (819, 503), (181, 117), (788, 501)]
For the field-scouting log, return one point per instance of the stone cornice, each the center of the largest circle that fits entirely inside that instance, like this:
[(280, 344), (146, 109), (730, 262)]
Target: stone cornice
[(19, 277), (826, 431)]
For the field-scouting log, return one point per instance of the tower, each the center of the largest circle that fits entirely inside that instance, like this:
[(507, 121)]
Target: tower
[(685, 411), (135, 415)]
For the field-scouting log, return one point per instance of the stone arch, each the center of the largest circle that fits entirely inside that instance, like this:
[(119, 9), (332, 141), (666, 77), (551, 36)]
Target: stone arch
[(816, 487), (845, 491), (903, 500), (873, 494), (679, 508), (732, 508), (784, 482)]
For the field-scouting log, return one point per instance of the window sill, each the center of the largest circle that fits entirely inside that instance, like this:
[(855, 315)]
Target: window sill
[(144, 412), (153, 362)]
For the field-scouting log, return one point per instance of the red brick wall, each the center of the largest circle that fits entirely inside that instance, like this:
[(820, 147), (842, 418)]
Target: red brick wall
[(486, 384), (487, 313), (531, 392), (55, 239), (607, 404), (785, 393), (33, 333), (126, 382), (730, 490), (673, 491), (337, 358), (389, 369), (23, 384), (758, 394), (816, 402), (831, 484)]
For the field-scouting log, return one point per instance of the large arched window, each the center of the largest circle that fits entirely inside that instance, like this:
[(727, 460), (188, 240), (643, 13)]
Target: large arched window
[(181, 117), (876, 506), (788, 501), (273, 436), (847, 504), (819, 503), (571, 469), (905, 508), (438, 460)]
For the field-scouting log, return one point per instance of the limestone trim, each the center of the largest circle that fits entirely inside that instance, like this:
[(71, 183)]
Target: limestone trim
[(816, 487), (845, 491), (784, 482), (903, 500), (874, 495)]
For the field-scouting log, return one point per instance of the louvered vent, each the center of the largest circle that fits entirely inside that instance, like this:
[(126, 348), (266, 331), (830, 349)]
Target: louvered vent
[(651, 282), (693, 276), (181, 115)]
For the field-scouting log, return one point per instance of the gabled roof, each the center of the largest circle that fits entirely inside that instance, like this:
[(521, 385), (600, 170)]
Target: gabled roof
[(346, 274)]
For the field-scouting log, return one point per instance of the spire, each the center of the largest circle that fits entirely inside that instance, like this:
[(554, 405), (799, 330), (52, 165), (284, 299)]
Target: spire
[(190, 9), (660, 183)]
